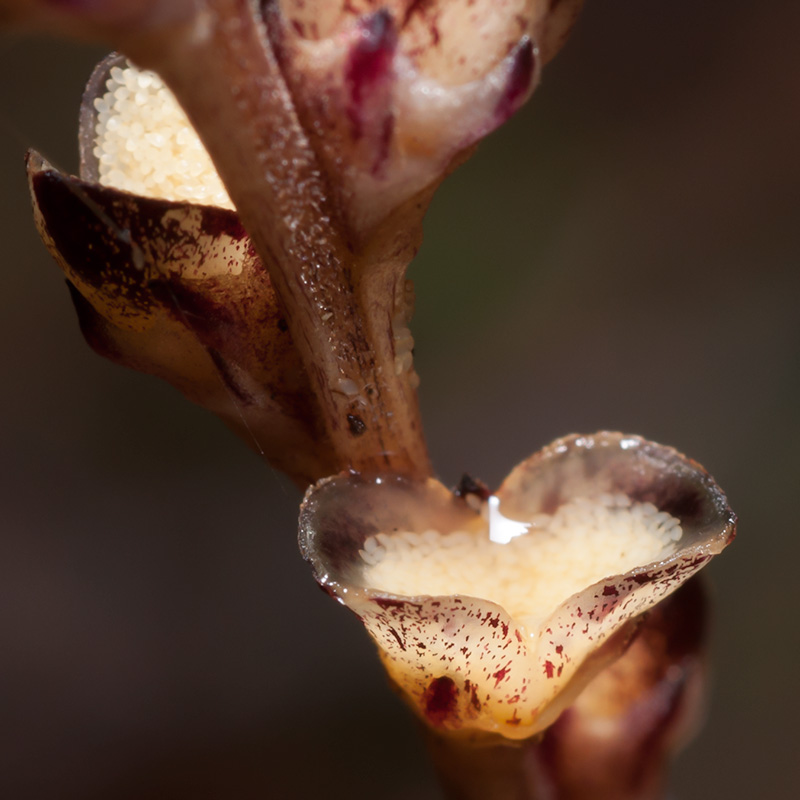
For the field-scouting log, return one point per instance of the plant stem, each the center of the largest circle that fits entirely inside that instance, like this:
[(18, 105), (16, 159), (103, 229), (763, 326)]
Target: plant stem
[(223, 71), (469, 771), (219, 63)]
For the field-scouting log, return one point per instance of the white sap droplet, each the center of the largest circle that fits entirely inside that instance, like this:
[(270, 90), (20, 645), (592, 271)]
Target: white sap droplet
[(502, 529)]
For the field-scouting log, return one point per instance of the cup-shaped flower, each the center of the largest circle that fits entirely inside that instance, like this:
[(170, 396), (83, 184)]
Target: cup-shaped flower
[(491, 619)]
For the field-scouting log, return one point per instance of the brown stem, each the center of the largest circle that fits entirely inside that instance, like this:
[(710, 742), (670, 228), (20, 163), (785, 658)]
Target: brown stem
[(225, 74), (222, 68), (476, 772), (526, 771)]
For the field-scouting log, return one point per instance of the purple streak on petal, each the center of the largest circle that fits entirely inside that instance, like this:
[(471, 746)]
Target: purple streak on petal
[(519, 80), (384, 144), (220, 222), (66, 206), (369, 64), (229, 379)]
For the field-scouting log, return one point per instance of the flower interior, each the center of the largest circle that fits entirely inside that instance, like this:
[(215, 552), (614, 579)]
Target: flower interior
[(584, 541), (144, 143), (491, 616)]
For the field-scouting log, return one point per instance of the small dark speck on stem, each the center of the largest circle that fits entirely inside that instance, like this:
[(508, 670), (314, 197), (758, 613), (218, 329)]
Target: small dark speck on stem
[(357, 425)]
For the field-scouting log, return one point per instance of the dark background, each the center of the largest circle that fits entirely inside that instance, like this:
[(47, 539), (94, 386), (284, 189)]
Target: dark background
[(623, 255)]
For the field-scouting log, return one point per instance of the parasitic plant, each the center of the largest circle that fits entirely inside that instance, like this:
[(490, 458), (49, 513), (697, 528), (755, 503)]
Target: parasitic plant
[(252, 186), (486, 634)]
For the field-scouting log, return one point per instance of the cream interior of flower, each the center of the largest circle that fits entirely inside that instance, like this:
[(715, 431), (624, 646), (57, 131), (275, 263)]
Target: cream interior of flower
[(145, 144), (584, 541)]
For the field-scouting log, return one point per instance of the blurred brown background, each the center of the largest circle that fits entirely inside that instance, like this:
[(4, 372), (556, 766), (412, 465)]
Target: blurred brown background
[(623, 255)]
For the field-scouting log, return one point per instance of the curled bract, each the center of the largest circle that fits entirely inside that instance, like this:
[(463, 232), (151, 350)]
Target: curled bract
[(490, 638), (176, 290), (169, 285)]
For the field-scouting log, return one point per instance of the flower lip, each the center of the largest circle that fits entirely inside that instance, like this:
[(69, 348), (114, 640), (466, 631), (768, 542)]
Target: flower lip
[(510, 671), (340, 512)]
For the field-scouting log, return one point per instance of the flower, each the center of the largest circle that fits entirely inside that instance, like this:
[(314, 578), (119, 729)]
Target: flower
[(167, 285), (484, 638), (393, 99)]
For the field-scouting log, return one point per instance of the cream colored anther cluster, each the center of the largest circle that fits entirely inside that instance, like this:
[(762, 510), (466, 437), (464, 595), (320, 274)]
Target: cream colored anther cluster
[(583, 542), (145, 144)]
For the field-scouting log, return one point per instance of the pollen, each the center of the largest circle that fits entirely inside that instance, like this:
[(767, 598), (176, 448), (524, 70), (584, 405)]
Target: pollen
[(583, 542), (145, 144)]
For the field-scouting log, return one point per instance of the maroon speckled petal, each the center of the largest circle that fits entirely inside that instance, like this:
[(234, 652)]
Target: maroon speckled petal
[(645, 472), (463, 662), (451, 656), (617, 738)]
